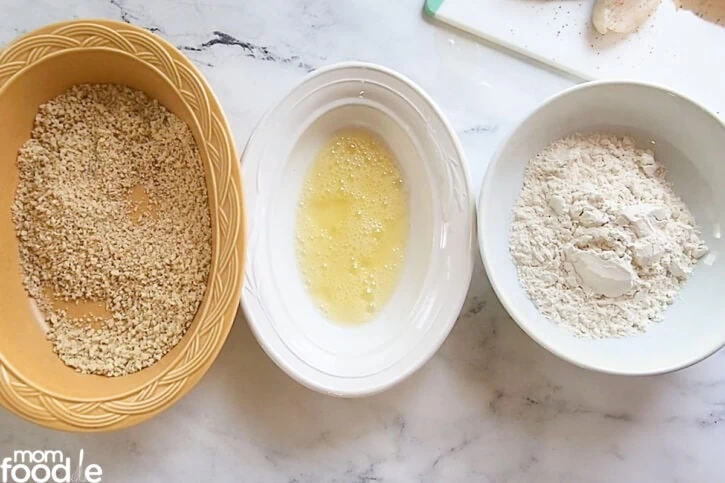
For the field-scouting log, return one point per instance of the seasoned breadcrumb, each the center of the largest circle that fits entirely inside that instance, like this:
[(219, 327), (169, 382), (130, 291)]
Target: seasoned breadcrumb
[(83, 238)]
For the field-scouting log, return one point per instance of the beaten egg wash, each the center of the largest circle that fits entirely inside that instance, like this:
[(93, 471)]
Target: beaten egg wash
[(352, 226)]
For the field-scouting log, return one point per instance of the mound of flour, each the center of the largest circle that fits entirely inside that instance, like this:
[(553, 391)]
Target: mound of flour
[(601, 242)]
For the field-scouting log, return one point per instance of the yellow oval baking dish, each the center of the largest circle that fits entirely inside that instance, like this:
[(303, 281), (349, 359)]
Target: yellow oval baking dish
[(34, 383)]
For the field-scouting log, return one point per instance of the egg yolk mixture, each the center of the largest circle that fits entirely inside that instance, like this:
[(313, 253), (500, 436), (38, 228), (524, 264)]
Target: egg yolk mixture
[(352, 226)]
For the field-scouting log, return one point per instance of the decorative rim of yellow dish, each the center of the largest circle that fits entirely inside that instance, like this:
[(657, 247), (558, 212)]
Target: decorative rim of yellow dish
[(217, 313)]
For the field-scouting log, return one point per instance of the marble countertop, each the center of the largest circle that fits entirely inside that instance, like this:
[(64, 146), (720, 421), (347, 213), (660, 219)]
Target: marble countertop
[(492, 405)]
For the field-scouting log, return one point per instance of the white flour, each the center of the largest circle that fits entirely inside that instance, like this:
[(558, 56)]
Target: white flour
[(601, 242)]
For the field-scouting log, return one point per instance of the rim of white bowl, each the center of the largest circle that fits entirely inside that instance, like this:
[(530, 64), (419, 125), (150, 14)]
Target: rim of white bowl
[(488, 180), (432, 348)]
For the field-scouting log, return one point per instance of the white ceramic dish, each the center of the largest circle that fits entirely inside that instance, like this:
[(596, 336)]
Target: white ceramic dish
[(690, 143), (359, 360)]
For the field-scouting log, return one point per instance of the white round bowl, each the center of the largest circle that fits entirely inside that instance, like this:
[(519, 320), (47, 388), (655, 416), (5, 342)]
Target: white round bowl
[(364, 359), (690, 143)]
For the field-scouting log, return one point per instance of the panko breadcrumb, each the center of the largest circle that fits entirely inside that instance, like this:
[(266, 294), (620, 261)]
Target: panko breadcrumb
[(83, 238)]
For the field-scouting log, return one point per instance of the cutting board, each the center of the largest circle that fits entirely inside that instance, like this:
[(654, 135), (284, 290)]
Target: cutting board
[(675, 47)]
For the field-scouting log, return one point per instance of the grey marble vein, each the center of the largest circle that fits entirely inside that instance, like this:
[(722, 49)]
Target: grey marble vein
[(130, 18), (253, 51)]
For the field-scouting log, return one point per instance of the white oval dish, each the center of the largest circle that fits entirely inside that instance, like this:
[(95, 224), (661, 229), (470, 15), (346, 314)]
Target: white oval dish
[(364, 359), (690, 142)]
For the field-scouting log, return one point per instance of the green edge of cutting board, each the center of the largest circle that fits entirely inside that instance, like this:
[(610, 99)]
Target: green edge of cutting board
[(432, 6)]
